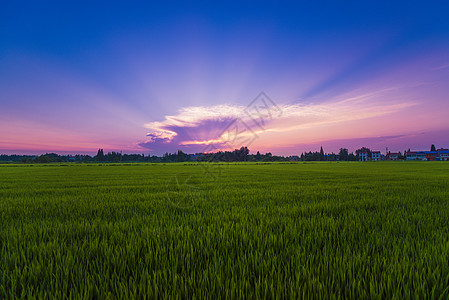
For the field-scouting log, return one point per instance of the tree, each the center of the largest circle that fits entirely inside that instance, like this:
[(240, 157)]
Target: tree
[(100, 155), (363, 149), (48, 158), (344, 154), (181, 156), (433, 148), (321, 154), (352, 157), (241, 154)]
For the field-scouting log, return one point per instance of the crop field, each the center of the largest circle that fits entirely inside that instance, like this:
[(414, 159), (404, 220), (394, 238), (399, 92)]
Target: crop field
[(371, 230)]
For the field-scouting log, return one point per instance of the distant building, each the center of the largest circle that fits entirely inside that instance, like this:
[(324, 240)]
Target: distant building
[(363, 156), (410, 155), (431, 155), (440, 154), (393, 156), (375, 155), (421, 155), (443, 154)]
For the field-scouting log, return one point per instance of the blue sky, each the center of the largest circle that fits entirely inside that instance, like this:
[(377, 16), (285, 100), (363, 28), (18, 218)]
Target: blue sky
[(80, 76)]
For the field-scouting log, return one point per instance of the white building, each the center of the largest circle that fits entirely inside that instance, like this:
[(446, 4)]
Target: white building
[(393, 156), (443, 154), (375, 155), (411, 155), (363, 156), (421, 155)]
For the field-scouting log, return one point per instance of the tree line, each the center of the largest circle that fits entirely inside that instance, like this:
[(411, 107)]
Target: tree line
[(241, 154), (237, 155)]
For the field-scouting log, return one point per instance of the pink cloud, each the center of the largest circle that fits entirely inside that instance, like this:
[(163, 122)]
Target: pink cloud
[(228, 127)]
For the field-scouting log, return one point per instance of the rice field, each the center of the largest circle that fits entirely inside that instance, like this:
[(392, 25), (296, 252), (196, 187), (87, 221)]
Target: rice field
[(261, 231)]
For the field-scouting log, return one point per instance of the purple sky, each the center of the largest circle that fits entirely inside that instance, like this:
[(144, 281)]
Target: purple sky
[(158, 78)]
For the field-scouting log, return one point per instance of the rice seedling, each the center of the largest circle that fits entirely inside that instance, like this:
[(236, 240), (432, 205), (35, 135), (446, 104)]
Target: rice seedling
[(334, 230)]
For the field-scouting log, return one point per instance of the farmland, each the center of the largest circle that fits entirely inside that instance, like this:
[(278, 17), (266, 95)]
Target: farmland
[(346, 230)]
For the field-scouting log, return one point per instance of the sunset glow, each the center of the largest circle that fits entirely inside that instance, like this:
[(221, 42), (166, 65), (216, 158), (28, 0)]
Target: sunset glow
[(137, 82)]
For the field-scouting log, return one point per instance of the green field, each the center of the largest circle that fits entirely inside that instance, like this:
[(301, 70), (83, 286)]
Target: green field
[(336, 230)]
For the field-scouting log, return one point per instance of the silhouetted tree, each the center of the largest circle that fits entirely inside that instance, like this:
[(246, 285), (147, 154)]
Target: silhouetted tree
[(181, 156), (363, 149), (352, 157), (100, 155), (344, 154)]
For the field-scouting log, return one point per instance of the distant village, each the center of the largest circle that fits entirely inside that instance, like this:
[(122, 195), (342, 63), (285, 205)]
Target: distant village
[(242, 154), (438, 154)]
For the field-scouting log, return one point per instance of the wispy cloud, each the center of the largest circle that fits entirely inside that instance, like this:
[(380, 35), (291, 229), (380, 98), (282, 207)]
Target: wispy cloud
[(193, 128), (444, 66)]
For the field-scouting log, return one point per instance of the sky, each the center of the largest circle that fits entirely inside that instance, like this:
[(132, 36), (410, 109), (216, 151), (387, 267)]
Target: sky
[(279, 77)]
